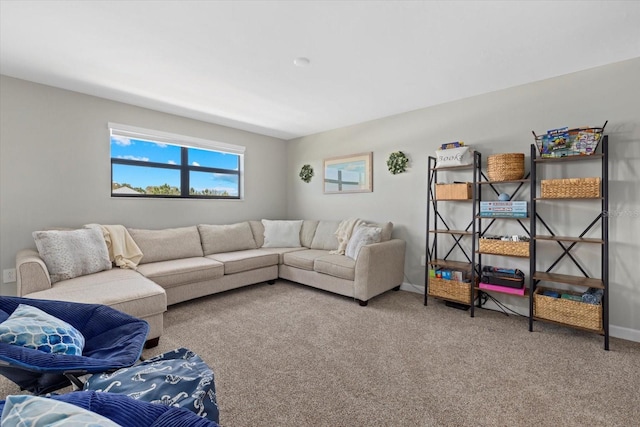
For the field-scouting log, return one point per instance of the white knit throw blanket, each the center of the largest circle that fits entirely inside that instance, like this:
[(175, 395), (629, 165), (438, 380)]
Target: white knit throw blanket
[(343, 233)]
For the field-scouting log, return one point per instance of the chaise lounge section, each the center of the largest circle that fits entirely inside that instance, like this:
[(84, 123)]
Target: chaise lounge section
[(180, 264)]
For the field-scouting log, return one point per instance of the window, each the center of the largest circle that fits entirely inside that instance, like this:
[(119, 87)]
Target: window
[(148, 163)]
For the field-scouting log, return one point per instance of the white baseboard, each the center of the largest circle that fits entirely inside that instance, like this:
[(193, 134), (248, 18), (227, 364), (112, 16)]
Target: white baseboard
[(614, 331), (624, 333), (418, 289)]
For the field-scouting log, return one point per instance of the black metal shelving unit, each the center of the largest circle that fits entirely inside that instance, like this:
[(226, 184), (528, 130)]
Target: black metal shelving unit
[(437, 225), (567, 243), (516, 187)]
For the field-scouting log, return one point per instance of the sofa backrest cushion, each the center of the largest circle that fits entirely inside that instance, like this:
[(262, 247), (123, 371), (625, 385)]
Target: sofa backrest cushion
[(325, 236), (167, 244), (226, 238), (309, 227), (258, 232)]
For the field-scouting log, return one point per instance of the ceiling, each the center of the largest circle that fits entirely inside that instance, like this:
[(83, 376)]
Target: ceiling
[(231, 62)]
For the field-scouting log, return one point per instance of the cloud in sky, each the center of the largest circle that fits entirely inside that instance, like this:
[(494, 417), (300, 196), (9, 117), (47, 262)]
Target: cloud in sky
[(172, 162), (140, 159), (195, 164), (121, 141)]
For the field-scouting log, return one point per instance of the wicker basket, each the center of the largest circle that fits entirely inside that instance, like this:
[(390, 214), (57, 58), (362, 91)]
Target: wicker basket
[(450, 290), (570, 188), (503, 247), (461, 191), (505, 167), (575, 313)]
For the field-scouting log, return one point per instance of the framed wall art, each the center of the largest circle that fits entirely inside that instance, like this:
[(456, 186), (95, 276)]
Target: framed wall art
[(348, 174)]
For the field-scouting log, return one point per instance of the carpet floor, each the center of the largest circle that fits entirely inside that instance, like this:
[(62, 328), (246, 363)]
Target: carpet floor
[(290, 355)]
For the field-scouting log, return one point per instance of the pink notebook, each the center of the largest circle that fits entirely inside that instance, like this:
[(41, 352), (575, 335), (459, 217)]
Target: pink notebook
[(503, 289)]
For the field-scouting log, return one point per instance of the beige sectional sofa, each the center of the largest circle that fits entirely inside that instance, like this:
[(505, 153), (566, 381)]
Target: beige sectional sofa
[(184, 263)]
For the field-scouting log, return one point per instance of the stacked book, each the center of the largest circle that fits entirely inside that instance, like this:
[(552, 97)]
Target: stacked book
[(510, 209)]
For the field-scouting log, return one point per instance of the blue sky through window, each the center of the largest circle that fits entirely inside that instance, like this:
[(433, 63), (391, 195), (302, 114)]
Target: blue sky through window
[(147, 151)]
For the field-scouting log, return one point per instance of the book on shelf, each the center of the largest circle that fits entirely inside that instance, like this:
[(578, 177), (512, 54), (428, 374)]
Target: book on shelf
[(503, 289)]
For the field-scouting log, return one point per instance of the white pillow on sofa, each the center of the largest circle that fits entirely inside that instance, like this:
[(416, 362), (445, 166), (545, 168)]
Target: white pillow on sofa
[(281, 234), (72, 253), (363, 235)]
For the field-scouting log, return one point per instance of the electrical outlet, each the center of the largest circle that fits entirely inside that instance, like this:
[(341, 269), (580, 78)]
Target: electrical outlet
[(9, 275), (423, 260)]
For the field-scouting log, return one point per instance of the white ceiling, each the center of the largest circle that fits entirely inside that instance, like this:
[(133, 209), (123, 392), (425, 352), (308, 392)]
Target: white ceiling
[(231, 62)]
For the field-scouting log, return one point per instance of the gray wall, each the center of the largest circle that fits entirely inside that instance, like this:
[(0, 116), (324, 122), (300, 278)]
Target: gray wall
[(55, 168), (495, 123)]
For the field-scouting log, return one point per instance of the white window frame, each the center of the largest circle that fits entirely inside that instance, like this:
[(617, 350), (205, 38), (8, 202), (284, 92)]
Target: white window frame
[(134, 132)]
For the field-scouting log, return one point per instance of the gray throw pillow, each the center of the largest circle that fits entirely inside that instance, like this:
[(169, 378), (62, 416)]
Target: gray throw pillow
[(361, 236), (72, 253)]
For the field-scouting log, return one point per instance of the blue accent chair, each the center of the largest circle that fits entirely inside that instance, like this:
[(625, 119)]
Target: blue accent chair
[(113, 340)]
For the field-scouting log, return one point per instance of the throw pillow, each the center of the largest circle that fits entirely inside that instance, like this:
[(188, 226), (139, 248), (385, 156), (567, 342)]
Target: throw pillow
[(362, 235), (281, 234), (36, 411), (72, 253), (31, 327)]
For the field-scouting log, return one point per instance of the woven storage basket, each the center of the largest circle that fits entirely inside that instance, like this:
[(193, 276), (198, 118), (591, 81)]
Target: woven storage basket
[(570, 188), (453, 191), (575, 313), (502, 247), (505, 167), (450, 289)]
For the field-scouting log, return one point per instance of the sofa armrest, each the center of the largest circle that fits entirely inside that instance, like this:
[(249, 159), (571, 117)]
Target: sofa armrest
[(32, 273), (379, 267)]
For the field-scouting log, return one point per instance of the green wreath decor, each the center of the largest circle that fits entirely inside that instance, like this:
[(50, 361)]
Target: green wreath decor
[(397, 162), (306, 173)]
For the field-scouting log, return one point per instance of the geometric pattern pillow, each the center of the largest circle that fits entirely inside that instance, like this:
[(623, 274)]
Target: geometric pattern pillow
[(34, 411), (31, 327), (72, 253)]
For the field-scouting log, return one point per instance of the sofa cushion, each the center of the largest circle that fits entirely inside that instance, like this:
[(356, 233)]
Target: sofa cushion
[(238, 261), (308, 231), (123, 289), (258, 232), (182, 271), (281, 234), (226, 238), (167, 244), (72, 253), (281, 251), (303, 259), (325, 236), (336, 265)]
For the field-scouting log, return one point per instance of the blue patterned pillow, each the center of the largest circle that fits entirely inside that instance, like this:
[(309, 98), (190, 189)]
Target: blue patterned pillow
[(31, 327), (34, 411)]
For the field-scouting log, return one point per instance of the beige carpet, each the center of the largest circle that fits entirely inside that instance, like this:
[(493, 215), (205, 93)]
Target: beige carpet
[(289, 355)]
